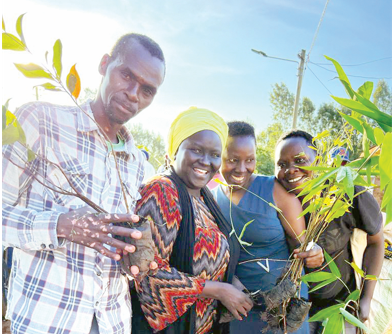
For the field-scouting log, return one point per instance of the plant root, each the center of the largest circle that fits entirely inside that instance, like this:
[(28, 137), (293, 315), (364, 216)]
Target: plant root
[(144, 253), (297, 311), (278, 294)]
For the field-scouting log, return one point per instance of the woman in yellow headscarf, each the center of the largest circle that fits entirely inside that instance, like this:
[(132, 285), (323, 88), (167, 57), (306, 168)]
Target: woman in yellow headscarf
[(195, 254)]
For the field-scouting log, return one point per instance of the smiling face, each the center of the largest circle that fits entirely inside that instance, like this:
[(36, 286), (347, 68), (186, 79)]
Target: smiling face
[(239, 161), (198, 159), (130, 82), (290, 155)]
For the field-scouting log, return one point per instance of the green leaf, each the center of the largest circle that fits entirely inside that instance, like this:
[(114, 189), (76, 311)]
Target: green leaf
[(318, 181), (369, 132), (366, 152), (379, 135), (355, 123), (13, 131), (19, 28), (57, 53), (326, 313), (332, 265), (33, 71), (30, 155), (385, 164), (387, 198), (335, 324), (348, 183), (388, 211), (353, 296), (3, 23), (366, 89), (373, 161), (357, 269), (322, 284), (342, 76), (341, 174), (244, 229), (363, 110), (353, 320), (371, 277), (317, 276), (11, 42), (50, 86)]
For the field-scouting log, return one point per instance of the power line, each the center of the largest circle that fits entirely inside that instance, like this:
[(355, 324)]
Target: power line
[(319, 80), (350, 75), (360, 64), (317, 30)]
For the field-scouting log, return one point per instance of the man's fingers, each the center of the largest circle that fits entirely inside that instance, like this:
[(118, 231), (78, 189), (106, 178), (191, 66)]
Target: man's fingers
[(125, 231), (134, 270), (153, 265)]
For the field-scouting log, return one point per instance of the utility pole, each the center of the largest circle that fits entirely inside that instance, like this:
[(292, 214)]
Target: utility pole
[(299, 84)]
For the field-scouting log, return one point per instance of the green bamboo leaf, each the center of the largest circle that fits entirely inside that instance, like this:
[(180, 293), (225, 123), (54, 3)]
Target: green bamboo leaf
[(220, 182), (319, 180), (355, 123), (326, 313), (342, 76), (11, 42), (341, 174), (332, 265), (19, 28), (320, 135), (363, 110), (356, 268), (313, 192), (373, 161), (353, 296), (371, 277), (388, 211), (385, 164), (33, 71), (309, 208), (353, 320), (366, 152), (369, 132), (379, 135), (335, 324), (57, 53), (366, 89), (30, 155), (244, 228), (317, 276), (338, 210), (387, 198), (3, 23), (348, 183), (49, 86), (367, 103), (322, 284), (10, 135)]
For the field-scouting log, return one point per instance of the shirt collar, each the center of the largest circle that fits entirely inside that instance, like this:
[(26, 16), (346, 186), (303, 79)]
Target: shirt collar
[(86, 123)]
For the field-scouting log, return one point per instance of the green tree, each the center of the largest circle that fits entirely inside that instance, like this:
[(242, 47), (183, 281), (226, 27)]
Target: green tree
[(152, 142), (382, 97), (266, 142)]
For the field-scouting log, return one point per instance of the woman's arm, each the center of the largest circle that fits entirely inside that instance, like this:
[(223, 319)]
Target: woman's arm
[(290, 208)]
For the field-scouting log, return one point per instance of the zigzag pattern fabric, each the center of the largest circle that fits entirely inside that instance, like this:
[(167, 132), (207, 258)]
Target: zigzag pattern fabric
[(166, 296)]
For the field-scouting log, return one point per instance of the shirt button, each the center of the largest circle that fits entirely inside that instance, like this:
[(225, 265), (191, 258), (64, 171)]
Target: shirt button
[(51, 246), (98, 273), (43, 246), (96, 303)]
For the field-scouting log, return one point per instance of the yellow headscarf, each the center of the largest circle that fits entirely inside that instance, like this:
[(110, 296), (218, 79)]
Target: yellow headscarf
[(191, 121)]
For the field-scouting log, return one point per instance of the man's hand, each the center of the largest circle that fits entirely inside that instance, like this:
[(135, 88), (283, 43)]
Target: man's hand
[(364, 309), (91, 229), (313, 258)]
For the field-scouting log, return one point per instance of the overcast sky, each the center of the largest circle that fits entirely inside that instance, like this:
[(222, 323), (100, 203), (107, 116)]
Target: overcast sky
[(207, 45)]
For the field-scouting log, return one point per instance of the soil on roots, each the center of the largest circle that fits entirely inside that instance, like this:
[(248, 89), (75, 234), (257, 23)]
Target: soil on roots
[(144, 253)]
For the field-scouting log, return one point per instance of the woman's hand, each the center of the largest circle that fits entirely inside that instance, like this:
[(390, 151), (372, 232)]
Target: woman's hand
[(237, 302), (313, 258)]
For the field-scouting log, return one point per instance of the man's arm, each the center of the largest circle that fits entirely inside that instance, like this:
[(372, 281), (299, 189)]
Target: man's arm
[(372, 263)]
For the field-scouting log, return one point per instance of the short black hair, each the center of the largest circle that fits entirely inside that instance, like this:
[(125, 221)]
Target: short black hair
[(149, 44), (241, 129), (297, 134)]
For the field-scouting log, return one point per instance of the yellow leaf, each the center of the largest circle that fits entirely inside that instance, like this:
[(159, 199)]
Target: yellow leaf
[(220, 182), (73, 82)]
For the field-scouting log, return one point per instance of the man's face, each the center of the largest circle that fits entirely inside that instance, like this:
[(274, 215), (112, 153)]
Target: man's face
[(130, 82)]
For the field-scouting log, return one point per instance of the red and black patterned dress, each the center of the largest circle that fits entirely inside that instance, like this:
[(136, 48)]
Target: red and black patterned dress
[(167, 295)]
